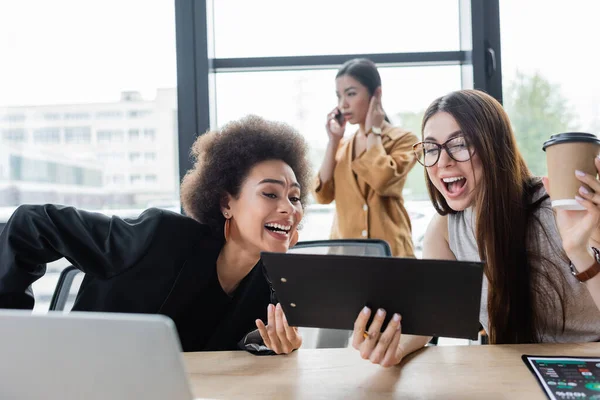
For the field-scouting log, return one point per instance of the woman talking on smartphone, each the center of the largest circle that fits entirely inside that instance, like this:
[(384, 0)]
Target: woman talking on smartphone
[(365, 172)]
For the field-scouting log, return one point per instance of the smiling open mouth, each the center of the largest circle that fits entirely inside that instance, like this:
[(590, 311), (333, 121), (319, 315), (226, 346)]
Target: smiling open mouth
[(455, 185), (278, 228)]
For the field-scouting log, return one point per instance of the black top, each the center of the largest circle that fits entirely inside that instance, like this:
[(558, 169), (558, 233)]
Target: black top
[(160, 262)]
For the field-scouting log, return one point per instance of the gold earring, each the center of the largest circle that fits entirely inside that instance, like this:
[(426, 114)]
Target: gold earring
[(226, 229)]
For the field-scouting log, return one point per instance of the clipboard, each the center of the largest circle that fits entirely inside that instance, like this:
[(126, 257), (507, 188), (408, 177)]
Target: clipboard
[(434, 297)]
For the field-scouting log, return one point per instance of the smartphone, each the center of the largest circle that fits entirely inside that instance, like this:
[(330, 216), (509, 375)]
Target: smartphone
[(339, 117)]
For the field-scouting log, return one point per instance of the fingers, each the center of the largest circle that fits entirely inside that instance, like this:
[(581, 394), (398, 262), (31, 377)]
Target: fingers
[(588, 179), (291, 333), (589, 205), (385, 341), (377, 100), (360, 326), (272, 330), (372, 105), (374, 332), (282, 334), (333, 126), (379, 348), (277, 334), (377, 94), (262, 329), (393, 355), (375, 113), (592, 195), (331, 116)]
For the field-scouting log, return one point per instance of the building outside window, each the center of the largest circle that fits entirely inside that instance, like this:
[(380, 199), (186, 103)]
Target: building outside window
[(149, 134), (135, 157), (78, 135), (134, 134), (135, 179), (113, 114), (46, 135), (151, 178), (14, 135), (76, 115)]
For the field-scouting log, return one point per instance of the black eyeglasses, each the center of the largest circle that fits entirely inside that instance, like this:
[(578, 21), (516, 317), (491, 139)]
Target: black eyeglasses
[(428, 153)]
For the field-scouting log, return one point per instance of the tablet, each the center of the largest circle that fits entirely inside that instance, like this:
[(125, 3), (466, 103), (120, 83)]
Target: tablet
[(566, 377), (434, 297)]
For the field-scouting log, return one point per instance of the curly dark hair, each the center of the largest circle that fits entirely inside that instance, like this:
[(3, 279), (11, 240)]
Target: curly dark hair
[(223, 159)]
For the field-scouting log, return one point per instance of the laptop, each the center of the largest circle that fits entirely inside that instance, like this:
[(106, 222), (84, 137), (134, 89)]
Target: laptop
[(92, 356), (434, 297)]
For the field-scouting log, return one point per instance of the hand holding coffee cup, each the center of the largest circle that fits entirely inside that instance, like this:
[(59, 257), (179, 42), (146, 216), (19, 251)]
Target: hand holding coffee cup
[(565, 154)]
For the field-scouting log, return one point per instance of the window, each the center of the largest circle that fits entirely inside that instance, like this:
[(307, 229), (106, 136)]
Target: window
[(151, 178), (134, 134), (77, 115), (264, 28), (149, 134), (149, 156), (12, 117), (78, 135), (84, 88), (28, 169), (14, 135), (135, 179), (46, 135), (139, 113), (51, 116), (111, 156), (135, 157), (114, 136), (115, 114), (550, 73), (303, 99), (119, 179)]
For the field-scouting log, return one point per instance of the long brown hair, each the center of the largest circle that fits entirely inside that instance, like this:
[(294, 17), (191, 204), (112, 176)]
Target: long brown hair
[(506, 224)]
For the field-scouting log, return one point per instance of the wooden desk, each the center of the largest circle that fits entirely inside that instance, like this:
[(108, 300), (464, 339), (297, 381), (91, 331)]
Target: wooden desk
[(460, 372)]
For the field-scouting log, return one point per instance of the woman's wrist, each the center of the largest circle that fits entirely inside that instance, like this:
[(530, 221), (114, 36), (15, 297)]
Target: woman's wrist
[(334, 142), (582, 259)]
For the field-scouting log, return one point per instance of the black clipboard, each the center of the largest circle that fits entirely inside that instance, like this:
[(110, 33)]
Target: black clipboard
[(566, 376), (434, 297)]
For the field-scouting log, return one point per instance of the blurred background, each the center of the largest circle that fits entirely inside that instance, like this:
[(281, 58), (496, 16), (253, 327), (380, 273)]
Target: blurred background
[(101, 100)]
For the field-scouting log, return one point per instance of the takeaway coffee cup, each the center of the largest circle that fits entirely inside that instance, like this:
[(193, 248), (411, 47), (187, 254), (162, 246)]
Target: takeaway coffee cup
[(565, 153)]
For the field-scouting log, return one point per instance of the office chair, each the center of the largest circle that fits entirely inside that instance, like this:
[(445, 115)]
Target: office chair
[(64, 288)]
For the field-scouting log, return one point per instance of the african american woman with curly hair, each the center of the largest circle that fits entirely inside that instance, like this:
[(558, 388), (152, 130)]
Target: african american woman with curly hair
[(245, 194)]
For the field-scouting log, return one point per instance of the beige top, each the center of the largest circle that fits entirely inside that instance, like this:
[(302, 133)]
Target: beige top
[(582, 317), (368, 191)]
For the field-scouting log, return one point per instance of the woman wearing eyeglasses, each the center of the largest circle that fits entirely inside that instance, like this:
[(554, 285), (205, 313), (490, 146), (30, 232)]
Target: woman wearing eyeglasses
[(492, 209), (365, 173)]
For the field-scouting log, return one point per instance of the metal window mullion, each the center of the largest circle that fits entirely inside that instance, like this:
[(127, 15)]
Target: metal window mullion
[(480, 38), (333, 61)]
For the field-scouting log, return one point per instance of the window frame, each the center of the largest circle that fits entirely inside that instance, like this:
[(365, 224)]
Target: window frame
[(479, 57)]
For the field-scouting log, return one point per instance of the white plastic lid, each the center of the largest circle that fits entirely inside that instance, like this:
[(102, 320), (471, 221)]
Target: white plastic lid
[(567, 204)]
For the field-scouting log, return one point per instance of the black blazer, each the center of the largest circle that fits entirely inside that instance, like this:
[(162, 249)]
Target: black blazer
[(160, 262)]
